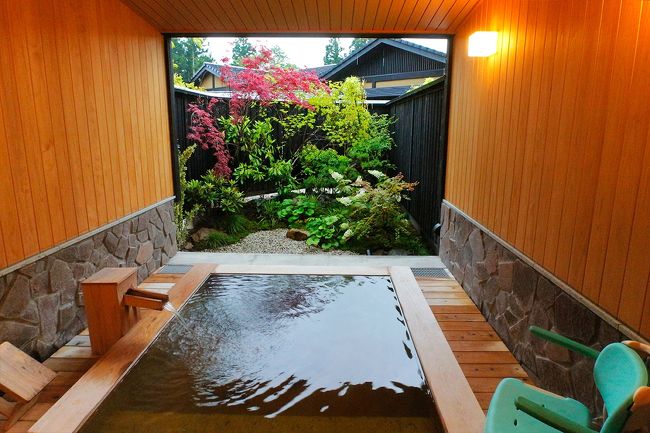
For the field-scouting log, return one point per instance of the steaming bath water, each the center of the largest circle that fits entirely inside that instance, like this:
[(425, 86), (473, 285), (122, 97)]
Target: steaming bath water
[(277, 353)]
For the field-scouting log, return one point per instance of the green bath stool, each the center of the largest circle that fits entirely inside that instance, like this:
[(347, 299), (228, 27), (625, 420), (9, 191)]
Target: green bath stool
[(620, 376)]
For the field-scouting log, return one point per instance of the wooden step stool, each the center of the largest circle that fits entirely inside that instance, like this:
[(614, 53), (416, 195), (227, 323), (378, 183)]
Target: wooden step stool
[(22, 378)]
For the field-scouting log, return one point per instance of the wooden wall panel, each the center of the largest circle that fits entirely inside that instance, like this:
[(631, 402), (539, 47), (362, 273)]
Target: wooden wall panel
[(307, 16), (84, 136), (549, 142)]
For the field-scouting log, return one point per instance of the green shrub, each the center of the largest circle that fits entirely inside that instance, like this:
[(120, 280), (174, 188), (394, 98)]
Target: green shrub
[(375, 216), (217, 240), (346, 118), (318, 165), (298, 209), (214, 193), (370, 153), (325, 232), (235, 224)]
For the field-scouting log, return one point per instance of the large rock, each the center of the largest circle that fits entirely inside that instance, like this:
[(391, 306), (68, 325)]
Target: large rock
[(201, 234)]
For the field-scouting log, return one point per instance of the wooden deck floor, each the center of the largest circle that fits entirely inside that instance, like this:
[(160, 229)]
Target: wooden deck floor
[(483, 357)]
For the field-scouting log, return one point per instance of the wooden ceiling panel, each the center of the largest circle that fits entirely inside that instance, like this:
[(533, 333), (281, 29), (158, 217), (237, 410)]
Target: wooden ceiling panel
[(304, 16)]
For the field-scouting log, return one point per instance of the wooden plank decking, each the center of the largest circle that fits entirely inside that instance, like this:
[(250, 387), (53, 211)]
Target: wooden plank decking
[(483, 357)]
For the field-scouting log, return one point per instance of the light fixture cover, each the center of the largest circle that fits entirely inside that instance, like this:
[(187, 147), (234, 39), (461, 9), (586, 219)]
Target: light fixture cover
[(482, 44)]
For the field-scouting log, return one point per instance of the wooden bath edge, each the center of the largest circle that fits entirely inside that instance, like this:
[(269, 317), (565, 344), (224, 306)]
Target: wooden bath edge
[(457, 407)]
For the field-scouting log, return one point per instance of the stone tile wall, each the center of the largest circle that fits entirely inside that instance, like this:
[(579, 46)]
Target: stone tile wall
[(39, 304), (513, 296)]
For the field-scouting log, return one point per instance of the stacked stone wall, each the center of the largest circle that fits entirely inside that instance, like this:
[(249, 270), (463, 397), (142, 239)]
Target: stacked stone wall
[(512, 296), (40, 304)]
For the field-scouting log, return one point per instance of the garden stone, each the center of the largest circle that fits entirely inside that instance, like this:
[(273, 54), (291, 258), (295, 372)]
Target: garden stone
[(201, 234), (297, 234), (144, 253), (188, 246), (398, 252)]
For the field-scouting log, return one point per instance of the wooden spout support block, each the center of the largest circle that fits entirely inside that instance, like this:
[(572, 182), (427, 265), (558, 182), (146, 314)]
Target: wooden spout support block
[(108, 317)]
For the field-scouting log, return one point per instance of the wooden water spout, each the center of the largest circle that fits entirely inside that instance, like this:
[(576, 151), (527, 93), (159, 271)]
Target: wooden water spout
[(111, 300)]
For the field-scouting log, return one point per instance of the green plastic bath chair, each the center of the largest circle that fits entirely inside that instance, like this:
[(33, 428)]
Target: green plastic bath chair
[(620, 376)]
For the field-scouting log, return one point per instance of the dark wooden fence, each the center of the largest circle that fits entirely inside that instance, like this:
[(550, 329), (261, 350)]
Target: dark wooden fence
[(201, 161), (420, 152)]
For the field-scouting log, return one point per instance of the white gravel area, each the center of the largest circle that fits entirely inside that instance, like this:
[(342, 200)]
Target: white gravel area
[(275, 242)]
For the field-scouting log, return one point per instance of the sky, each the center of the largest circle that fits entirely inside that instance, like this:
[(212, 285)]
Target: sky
[(303, 51)]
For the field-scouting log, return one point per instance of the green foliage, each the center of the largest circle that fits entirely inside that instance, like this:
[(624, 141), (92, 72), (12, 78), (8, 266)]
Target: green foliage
[(241, 49), (333, 52), (298, 209), (358, 43), (263, 158), (217, 240), (280, 58), (325, 232), (318, 165), (267, 211), (369, 153), (215, 193), (183, 218), (188, 55), (235, 224), (346, 118), (375, 217), (178, 82)]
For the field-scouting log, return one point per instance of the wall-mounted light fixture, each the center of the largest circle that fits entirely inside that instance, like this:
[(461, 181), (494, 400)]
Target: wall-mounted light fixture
[(482, 44)]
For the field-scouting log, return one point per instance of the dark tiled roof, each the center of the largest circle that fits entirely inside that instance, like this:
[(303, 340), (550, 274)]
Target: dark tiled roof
[(398, 43), (386, 92), (213, 68)]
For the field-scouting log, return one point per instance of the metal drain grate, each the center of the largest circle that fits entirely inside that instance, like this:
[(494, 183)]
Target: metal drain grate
[(175, 269), (431, 272)]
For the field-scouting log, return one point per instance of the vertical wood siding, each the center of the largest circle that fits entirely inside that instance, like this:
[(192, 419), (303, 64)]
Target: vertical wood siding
[(549, 142), (84, 136)]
